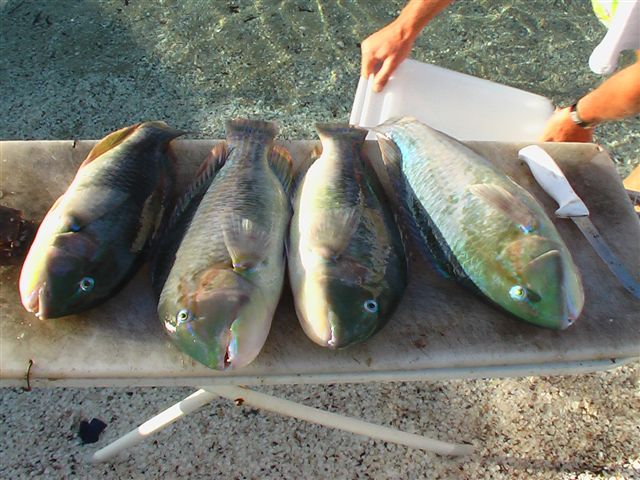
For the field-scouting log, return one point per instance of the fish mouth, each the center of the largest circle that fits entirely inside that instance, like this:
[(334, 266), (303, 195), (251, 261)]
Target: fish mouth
[(37, 301), (210, 336), (573, 310), (570, 298)]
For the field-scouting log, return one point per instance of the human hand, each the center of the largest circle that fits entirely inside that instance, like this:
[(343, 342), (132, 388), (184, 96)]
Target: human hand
[(560, 128), (383, 51)]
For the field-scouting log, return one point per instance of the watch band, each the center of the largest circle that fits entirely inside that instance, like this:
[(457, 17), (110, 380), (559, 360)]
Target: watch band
[(573, 115)]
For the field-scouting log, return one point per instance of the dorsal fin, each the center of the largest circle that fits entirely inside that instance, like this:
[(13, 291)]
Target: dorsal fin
[(110, 141), (416, 226), (282, 165), (205, 175), (166, 241)]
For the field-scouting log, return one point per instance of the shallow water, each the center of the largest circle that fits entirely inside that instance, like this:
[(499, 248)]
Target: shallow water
[(73, 69)]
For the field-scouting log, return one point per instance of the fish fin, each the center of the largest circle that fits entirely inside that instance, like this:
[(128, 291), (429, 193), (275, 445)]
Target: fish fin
[(301, 170), (415, 223), (161, 131), (246, 241), (391, 178), (332, 230), (112, 140), (240, 128), (148, 221), (391, 159), (169, 233), (206, 173), (332, 131), (282, 165), (507, 203)]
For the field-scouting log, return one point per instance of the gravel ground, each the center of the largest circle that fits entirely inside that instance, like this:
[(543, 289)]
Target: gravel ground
[(565, 427), (80, 70)]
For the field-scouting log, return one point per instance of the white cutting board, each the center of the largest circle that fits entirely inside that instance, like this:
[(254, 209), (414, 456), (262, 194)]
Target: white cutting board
[(463, 106)]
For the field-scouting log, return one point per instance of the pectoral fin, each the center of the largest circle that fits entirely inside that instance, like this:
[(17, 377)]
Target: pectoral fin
[(507, 203), (246, 242), (330, 234)]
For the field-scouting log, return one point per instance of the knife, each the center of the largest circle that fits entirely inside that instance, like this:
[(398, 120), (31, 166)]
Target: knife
[(547, 173)]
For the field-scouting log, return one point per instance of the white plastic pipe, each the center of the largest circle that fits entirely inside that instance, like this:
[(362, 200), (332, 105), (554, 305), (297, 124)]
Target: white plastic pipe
[(285, 407), (190, 404)]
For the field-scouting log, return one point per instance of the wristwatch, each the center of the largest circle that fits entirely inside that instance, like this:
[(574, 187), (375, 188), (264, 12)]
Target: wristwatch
[(573, 115)]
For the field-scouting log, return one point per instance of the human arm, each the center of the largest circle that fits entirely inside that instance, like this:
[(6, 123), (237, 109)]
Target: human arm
[(615, 99), (385, 49)]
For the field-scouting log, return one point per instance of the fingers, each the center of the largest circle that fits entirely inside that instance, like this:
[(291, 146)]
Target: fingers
[(560, 128), (382, 77), (369, 65)]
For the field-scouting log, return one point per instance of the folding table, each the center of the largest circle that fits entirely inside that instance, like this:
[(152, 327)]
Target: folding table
[(440, 330)]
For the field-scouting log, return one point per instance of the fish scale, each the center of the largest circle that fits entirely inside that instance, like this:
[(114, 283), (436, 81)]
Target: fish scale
[(93, 238), (488, 230), (224, 283), (235, 190), (347, 266)]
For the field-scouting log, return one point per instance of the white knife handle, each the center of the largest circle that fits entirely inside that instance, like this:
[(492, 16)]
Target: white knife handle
[(547, 173)]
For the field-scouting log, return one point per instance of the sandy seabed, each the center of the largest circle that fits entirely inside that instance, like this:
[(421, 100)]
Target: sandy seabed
[(82, 69)]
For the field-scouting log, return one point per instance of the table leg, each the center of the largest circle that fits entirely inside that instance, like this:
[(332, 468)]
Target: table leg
[(163, 419), (244, 396)]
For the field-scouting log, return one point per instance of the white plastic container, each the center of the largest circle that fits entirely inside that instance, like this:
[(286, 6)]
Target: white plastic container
[(623, 34), (463, 106)]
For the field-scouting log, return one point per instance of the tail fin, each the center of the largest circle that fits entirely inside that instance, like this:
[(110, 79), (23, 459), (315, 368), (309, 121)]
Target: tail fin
[(341, 132), (239, 128)]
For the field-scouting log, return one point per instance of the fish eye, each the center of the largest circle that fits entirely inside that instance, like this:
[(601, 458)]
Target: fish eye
[(518, 293), (370, 306), (87, 284), (73, 225), (526, 229), (183, 315)]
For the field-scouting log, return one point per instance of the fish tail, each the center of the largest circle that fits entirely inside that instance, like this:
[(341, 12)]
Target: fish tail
[(161, 131), (341, 131), (241, 128)]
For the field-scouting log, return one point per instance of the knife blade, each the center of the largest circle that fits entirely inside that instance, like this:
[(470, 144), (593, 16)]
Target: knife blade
[(549, 176)]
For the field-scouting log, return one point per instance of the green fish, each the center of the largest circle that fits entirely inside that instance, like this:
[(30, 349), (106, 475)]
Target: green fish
[(479, 226), (93, 238), (221, 267), (347, 265)]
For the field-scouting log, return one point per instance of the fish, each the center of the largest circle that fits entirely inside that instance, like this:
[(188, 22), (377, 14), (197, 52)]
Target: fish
[(346, 259), (97, 233), (222, 264), (477, 225)]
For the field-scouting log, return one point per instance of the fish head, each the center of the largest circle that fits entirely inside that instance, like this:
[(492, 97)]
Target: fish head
[(62, 273), (339, 312), (541, 283), (218, 318)]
